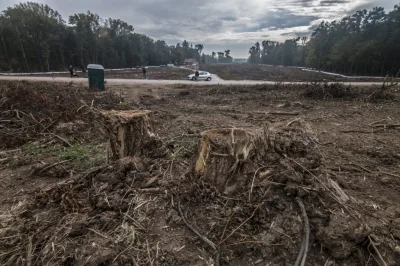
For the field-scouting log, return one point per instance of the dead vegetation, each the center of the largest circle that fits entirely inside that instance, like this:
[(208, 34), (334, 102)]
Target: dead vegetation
[(384, 91), (29, 111), (254, 187), (326, 91)]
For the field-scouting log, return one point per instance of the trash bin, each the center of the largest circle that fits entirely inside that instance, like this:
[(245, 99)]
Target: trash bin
[(96, 76)]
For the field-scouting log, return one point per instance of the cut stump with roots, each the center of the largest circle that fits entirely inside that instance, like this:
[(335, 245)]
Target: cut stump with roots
[(131, 133), (229, 158)]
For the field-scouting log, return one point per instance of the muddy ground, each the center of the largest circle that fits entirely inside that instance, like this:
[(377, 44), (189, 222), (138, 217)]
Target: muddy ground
[(272, 73), (84, 211)]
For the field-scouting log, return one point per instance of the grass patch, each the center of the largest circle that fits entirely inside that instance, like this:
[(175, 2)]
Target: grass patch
[(81, 156)]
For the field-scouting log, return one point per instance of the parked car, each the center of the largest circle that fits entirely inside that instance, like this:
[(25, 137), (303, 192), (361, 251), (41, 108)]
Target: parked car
[(202, 76)]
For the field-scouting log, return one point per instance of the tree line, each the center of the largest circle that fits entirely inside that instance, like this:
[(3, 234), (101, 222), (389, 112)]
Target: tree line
[(34, 37), (365, 43)]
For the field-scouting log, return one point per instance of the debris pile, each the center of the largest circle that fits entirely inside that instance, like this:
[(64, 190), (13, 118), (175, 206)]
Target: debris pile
[(28, 112), (327, 91)]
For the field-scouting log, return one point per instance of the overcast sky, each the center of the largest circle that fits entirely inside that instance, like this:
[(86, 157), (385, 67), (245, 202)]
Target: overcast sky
[(218, 24)]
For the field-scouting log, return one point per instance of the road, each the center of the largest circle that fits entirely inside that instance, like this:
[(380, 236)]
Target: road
[(216, 80)]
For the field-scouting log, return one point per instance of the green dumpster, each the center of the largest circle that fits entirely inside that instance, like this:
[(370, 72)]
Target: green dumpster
[(96, 76)]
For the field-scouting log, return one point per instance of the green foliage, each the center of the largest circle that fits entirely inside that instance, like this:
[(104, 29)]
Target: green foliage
[(34, 37), (124, 106), (84, 157), (81, 156), (365, 43)]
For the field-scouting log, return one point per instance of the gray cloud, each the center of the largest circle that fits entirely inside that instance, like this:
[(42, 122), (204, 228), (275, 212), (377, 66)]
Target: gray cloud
[(286, 19), (333, 2), (229, 18), (219, 25)]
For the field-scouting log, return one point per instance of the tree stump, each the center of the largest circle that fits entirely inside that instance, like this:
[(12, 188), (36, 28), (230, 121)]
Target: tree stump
[(131, 133), (230, 158), (223, 155)]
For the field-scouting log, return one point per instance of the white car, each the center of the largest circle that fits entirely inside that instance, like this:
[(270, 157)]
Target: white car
[(202, 76)]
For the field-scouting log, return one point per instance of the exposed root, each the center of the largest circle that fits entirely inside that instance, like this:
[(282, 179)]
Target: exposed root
[(204, 239), (301, 258)]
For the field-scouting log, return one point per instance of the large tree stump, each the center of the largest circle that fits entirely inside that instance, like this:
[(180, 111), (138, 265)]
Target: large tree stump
[(222, 157), (131, 133), (229, 158)]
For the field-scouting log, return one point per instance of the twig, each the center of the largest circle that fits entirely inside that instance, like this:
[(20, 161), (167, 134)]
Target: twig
[(53, 165), (360, 131), (386, 173), (393, 126), (249, 242), (152, 190), (205, 240), (122, 252), (302, 256), (47, 127), (218, 256), (377, 122), (252, 182), (363, 168), (282, 233), (237, 228), (327, 261), (282, 113), (277, 113), (148, 253), (377, 251), (29, 252), (60, 138), (97, 233)]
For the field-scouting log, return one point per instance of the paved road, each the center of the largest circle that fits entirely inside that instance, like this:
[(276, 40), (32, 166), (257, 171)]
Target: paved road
[(216, 80)]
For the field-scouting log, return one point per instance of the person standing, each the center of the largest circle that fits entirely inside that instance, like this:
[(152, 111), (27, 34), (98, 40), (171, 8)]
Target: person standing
[(197, 74), (144, 72), (71, 70)]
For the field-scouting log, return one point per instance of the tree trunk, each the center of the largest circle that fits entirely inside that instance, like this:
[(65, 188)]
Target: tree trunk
[(5, 50), (48, 65), (23, 53), (62, 57), (131, 133), (39, 54)]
